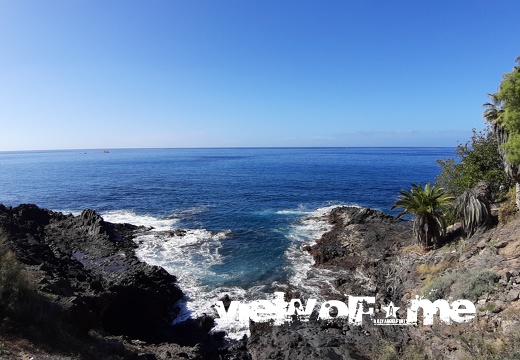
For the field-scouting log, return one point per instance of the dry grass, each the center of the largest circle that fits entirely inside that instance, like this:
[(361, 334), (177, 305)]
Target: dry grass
[(433, 269), (387, 351), (508, 210), (15, 289), (414, 248)]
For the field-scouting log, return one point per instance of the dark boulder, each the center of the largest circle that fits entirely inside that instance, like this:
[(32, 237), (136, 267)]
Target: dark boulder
[(91, 266)]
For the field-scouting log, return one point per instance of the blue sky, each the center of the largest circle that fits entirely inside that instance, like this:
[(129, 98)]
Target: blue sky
[(186, 73)]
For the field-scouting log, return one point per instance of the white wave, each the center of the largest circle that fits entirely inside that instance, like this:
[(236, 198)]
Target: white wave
[(292, 212), (67, 212), (200, 300), (189, 254), (303, 275), (130, 217)]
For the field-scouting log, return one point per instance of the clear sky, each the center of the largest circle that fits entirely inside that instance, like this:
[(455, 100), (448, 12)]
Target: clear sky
[(80, 74)]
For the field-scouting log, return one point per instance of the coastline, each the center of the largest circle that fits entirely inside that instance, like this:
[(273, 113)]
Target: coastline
[(87, 271)]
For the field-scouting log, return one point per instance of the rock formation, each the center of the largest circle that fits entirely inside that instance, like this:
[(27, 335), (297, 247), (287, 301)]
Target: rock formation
[(89, 265), (88, 269)]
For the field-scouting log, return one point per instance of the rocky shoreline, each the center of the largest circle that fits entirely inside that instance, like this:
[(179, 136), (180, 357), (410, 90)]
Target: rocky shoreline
[(87, 269), (100, 294), (91, 266), (373, 254)]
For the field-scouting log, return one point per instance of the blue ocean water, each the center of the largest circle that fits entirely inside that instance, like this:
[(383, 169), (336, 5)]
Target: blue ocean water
[(246, 210)]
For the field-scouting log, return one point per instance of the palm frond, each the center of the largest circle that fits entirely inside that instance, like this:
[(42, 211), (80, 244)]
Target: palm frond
[(426, 204), (473, 211)]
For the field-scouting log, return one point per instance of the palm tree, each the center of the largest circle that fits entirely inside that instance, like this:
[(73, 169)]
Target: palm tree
[(473, 208), (427, 206), (492, 114)]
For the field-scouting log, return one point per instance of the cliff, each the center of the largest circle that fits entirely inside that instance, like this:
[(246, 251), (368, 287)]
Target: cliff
[(373, 254)]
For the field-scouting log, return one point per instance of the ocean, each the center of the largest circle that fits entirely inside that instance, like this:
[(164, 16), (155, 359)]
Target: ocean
[(245, 212)]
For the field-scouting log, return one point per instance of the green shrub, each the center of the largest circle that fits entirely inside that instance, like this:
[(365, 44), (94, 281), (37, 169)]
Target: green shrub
[(475, 285), (388, 351), (477, 347), (470, 286), (479, 159), (439, 287), (13, 283), (511, 348)]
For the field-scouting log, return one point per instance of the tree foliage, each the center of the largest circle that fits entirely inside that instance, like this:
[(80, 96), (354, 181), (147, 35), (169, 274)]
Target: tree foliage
[(508, 107), (427, 206), (477, 160), (503, 112)]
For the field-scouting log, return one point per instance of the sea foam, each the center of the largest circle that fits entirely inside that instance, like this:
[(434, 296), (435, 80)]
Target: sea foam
[(190, 254)]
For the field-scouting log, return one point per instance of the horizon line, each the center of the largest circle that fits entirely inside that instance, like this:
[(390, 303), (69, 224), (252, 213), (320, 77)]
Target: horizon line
[(228, 147)]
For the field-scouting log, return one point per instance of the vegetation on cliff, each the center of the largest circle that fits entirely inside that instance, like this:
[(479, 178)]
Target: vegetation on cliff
[(503, 112), (484, 268), (427, 205), (477, 160), (486, 168), (17, 296)]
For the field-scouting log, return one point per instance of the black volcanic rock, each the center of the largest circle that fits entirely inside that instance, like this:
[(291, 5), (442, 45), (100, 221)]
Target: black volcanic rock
[(91, 267), (362, 242), (360, 249)]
